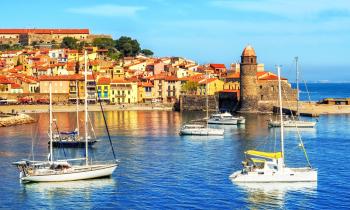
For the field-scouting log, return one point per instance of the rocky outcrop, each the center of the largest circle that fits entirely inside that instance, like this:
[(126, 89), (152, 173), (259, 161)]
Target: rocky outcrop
[(18, 119)]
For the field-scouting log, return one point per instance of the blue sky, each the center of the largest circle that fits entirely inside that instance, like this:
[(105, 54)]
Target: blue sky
[(213, 31)]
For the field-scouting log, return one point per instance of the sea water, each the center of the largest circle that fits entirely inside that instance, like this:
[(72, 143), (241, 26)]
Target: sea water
[(161, 170)]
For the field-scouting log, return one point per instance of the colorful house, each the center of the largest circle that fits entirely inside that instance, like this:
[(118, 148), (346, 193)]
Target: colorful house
[(146, 92), (103, 89), (209, 86), (122, 91)]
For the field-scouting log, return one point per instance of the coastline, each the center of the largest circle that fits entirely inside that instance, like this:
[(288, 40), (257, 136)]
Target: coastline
[(44, 108)]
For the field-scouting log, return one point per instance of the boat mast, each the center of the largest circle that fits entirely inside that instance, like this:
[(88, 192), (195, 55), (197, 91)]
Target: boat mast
[(77, 102), (206, 93), (297, 81), (86, 113), (50, 124), (281, 111)]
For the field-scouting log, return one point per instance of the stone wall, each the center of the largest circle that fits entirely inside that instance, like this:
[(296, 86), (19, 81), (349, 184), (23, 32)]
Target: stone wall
[(268, 95), (268, 91), (198, 103)]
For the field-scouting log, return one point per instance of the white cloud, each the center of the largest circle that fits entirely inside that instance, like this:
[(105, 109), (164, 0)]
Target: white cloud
[(107, 10)]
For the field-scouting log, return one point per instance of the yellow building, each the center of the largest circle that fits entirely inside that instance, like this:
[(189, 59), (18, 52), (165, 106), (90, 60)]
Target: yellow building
[(122, 91), (213, 85), (103, 89), (146, 93), (72, 55)]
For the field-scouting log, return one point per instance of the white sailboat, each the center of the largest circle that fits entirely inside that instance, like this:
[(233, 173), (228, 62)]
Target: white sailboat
[(294, 122), (270, 166), (201, 130), (62, 170)]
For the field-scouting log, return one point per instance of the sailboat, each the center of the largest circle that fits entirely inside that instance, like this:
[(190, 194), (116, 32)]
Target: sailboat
[(199, 129), (72, 138), (54, 170), (270, 166), (294, 122)]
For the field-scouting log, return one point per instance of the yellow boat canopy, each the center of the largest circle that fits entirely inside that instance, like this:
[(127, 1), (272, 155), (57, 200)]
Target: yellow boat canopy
[(270, 155), (257, 160)]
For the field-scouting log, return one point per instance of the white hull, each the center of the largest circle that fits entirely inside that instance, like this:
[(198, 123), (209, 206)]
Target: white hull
[(75, 173), (223, 122), (290, 123), (287, 175), (202, 132)]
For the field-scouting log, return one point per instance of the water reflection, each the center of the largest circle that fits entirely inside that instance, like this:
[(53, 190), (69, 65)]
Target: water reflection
[(60, 194), (51, 189), (272, 195)]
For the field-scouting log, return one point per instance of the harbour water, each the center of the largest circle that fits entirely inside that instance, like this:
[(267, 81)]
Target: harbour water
[(159, 169)]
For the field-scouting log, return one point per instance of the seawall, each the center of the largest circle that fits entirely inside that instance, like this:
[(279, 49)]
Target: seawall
[(10, 120)]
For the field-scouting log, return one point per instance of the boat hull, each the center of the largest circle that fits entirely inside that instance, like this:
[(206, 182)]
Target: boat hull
[(292, 124), (293, 175), (71, 143), (202, 132), (79, 173), (223, 122)]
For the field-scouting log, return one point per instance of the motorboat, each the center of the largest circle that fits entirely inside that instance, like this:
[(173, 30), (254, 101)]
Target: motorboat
[(225, 119), (200, 130)]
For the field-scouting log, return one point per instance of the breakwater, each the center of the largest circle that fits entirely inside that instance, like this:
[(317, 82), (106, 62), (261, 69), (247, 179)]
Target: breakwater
[(15, 119)]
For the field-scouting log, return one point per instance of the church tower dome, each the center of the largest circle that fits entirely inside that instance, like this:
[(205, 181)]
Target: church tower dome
[(248, 51)]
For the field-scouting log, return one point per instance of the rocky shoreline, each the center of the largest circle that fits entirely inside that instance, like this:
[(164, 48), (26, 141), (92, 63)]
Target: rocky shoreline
[(15, 119)]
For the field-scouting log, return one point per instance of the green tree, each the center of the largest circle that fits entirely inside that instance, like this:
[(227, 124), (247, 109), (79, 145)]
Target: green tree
[(127, 46), (147, 52), (103, 43), (69, 42), (189, 87)]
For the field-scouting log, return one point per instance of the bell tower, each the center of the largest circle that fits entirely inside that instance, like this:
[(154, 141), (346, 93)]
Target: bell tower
[(248, 87)]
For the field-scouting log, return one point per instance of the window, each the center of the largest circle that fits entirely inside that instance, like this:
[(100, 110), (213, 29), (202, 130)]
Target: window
[(261, 97), (128, 92)]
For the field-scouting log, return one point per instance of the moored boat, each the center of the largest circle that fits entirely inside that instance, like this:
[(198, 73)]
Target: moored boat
[(200, 130), (261, 166), (54, 170)]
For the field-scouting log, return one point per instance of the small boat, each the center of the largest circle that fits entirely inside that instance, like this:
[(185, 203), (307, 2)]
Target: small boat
[(270, 167), (225, 119), (200, 130)]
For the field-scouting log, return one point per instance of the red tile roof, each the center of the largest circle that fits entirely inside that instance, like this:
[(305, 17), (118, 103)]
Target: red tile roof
[(4, 80), (15, 86), (206, 81), (145, 84), (104, 81), (218, 66), (44, 31), (120, 81), (62, 77)]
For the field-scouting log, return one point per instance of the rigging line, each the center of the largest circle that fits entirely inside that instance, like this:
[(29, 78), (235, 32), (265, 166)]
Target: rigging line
[(297, 129), (59, 136), (104, 117), (92, 127)]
